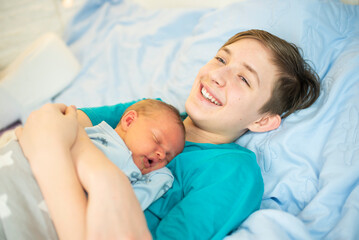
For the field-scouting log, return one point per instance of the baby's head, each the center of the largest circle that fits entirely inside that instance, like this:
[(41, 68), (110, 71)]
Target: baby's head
[(154, 132)]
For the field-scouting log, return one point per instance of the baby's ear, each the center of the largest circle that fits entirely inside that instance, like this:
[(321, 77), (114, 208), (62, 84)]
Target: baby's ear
[(266, 123), (128, 118)]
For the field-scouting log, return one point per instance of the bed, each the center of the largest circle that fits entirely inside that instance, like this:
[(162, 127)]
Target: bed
[(310, 165)]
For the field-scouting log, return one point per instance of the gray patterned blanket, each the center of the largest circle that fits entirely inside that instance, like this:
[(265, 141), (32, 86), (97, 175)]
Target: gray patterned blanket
[(23, 212)]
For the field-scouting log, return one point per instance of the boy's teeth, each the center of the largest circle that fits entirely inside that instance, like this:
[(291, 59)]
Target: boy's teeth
[(209, 97)]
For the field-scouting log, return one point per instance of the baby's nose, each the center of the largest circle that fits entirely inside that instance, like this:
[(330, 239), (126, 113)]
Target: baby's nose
[(160, 155)]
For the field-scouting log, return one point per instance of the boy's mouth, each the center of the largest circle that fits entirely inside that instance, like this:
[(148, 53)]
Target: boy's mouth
[(209, 97)]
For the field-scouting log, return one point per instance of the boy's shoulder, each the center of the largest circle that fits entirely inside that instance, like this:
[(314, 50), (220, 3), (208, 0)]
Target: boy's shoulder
[(229, 150), (210, 159)]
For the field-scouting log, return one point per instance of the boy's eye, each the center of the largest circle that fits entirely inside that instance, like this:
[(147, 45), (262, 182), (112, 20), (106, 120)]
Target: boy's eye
[(244, 80), (221, 60)]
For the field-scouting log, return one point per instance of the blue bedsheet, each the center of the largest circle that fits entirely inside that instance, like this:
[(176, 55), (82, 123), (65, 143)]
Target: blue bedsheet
[(310, 165)]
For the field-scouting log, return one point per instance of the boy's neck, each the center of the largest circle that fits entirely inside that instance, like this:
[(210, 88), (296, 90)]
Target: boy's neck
[(198, 135)]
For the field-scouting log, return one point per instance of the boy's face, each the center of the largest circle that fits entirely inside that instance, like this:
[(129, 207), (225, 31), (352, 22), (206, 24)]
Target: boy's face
[(154, 142), (231, 88)]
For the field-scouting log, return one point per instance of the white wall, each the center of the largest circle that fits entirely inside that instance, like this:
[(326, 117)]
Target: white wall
[(23, 21)]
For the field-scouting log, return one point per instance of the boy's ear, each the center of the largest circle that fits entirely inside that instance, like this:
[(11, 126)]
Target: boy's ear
[(266, 123), (128, 118)]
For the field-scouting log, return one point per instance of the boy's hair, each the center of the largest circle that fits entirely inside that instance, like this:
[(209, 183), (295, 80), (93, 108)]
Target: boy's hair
[(151, 108), (297, 86)]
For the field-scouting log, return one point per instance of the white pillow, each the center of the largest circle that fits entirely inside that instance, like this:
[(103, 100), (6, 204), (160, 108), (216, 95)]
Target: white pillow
[(43, 70), (184, 3)]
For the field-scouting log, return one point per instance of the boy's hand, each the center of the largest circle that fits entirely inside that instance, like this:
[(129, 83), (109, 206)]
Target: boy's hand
[(53, 126)]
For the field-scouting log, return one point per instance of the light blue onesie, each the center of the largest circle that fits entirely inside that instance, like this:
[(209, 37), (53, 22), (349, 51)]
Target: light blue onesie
[(148, 187)]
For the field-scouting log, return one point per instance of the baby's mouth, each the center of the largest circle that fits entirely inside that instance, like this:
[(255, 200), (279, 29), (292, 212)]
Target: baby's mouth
[(147, 162), (209, 97)]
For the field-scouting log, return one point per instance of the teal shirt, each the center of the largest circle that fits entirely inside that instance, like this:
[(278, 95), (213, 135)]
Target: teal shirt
[(216, 187)]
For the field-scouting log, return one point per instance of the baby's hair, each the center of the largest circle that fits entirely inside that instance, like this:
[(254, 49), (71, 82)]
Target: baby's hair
[(151, 108), (297, 86)]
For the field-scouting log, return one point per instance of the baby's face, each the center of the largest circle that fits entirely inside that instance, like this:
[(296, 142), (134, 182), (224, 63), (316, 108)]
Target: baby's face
[(154, 142)]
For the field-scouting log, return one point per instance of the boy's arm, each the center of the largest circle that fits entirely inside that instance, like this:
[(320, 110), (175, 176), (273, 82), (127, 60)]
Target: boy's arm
[(63, 194), (83, 119), (113, 210), (46, 140), (109, 212)]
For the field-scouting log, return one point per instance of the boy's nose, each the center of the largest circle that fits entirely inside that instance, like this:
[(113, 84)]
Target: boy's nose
[(219, 76)]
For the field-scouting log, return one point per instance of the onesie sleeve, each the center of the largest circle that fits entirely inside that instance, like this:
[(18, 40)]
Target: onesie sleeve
[(221, 198), (154, 185)]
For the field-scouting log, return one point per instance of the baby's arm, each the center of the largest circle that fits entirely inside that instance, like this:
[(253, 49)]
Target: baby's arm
[(154, 185)]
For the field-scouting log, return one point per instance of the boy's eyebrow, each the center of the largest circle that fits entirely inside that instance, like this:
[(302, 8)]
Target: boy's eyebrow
[(249, 68)]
